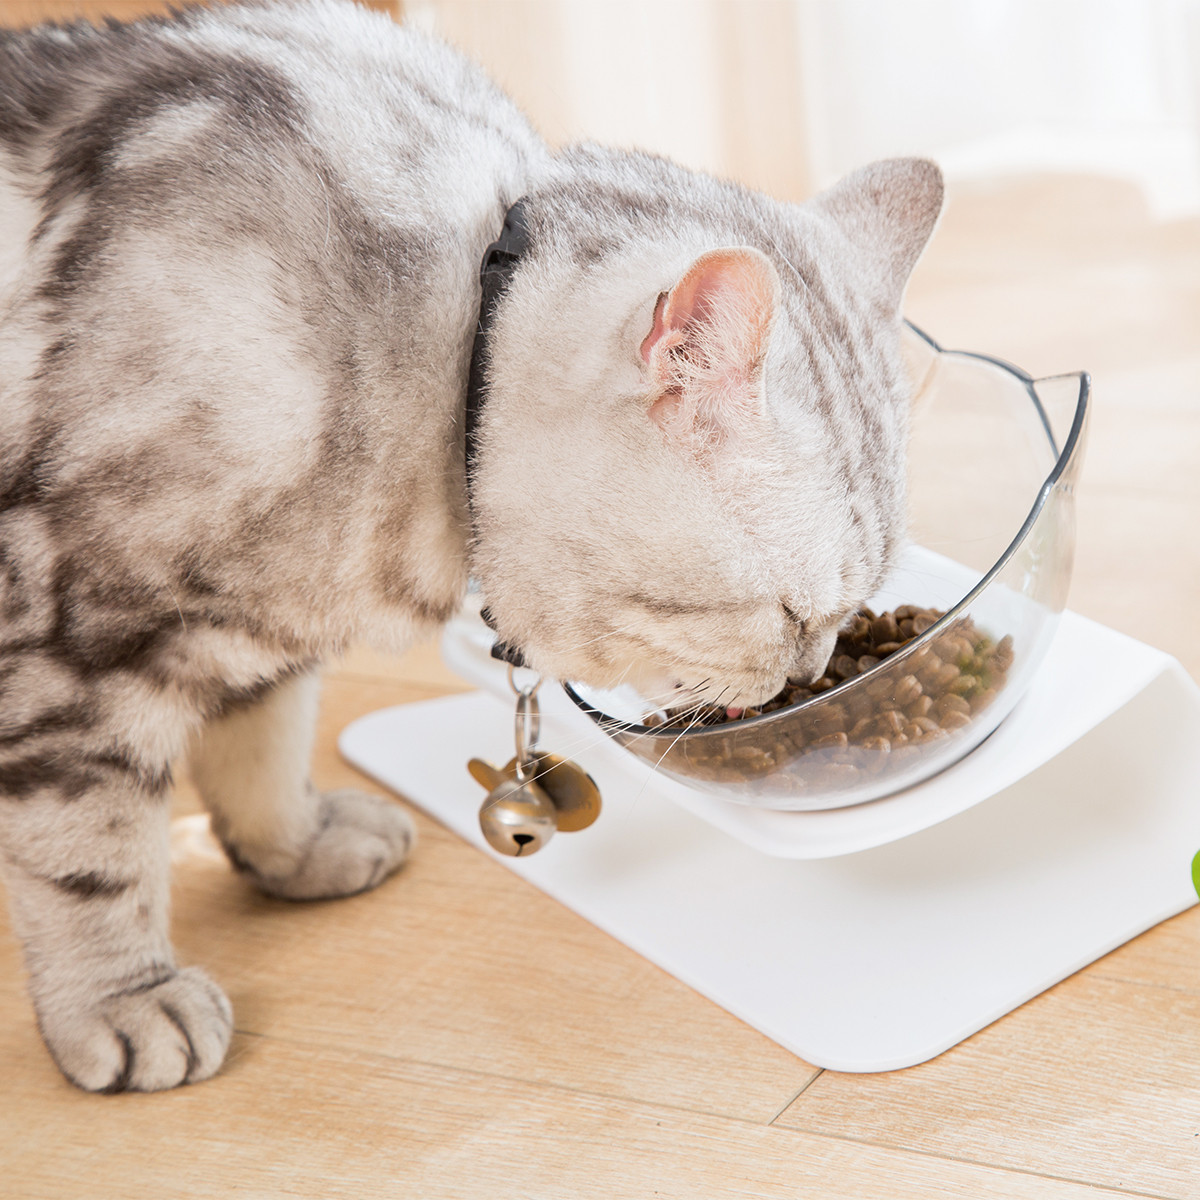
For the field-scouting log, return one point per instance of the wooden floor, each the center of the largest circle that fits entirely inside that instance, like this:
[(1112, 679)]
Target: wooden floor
[(458, 1034)]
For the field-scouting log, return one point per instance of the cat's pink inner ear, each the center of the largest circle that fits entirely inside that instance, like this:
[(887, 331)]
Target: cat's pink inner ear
[(657, 330), (709, 337)]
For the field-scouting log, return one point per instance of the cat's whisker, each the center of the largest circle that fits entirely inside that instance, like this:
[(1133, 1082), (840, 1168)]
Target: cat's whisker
[(595, 737), (664, 754)]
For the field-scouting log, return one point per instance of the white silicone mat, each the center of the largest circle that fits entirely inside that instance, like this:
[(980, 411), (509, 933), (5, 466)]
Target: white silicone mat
[(874, 960)]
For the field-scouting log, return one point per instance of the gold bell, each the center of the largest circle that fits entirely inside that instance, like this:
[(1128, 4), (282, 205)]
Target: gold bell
[(517, 818)]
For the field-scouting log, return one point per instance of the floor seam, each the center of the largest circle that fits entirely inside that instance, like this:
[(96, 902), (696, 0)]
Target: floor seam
[(978, 1162), (549, 1085), (816, 1075), (1115, 1189)]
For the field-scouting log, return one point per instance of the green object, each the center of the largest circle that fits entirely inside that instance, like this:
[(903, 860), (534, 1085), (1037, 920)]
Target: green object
[(1196, 873)]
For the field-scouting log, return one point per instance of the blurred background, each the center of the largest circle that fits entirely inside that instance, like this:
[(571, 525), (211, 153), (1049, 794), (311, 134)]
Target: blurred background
[(1070, 134), (787, 95)]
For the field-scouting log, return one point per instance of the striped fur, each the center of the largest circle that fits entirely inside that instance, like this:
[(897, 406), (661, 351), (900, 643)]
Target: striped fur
[(238, 255)]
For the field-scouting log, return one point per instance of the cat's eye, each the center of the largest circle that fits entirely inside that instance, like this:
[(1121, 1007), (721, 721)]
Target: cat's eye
[(793, 616)]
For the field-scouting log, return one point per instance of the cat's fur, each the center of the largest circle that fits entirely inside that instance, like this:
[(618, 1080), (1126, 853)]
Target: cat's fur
[(238, 289)]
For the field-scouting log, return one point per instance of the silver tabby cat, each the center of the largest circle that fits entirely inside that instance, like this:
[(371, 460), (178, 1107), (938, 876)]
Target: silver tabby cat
[(239, 260)]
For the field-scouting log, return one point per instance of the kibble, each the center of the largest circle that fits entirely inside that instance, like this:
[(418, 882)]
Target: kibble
[(948, 703), (941, 688), (908, 689), (838, 739)]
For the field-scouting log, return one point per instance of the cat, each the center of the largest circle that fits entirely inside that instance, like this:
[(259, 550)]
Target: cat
[(239, 254)]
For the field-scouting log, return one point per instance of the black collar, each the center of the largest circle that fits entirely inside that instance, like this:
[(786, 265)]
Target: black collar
[(500, 261), (499, 264)]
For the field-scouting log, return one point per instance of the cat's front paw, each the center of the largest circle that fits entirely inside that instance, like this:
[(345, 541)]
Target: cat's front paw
[(147, 1039), (360, 841)]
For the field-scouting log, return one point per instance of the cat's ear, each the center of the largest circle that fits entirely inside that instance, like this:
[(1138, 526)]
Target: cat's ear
[(705, 350), (890, 209)]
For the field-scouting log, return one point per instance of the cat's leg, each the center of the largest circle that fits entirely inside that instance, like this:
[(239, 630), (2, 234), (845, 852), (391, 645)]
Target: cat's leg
[(251, 767), (83, 827)]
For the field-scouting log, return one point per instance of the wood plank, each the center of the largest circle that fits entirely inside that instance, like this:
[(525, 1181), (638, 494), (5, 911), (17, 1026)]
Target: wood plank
[(458, 962), (311, 1119), (1167, 956), (1096, 1080)]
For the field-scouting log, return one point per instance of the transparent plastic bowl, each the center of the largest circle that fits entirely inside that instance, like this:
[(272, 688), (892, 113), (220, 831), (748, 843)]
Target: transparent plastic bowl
[(994, 456)]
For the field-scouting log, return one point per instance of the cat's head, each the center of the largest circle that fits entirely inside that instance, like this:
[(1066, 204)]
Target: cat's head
[(692, 457)]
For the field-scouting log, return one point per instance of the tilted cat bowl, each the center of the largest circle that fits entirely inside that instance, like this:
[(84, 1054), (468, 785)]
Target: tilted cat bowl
[(994, 456), (870, 916)]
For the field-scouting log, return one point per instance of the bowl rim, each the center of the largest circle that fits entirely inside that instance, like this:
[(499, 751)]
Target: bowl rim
[(612, 725)]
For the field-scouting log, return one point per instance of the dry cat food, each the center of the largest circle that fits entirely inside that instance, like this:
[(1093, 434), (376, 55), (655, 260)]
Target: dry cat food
[(930, 693)]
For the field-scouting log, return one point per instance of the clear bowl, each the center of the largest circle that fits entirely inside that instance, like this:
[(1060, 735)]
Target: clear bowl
[(994, 455)]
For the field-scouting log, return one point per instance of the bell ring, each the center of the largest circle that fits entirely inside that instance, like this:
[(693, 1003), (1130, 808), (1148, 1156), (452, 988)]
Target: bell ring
[(527, 725)]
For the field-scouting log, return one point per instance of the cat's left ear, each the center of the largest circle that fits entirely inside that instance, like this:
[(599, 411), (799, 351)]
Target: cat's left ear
[(890, 209), (705, 350)]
